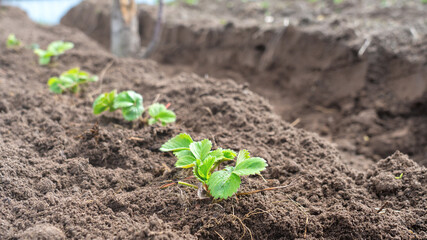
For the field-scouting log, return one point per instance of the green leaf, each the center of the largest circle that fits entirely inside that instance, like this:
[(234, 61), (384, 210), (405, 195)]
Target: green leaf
[(131, 104), (155, 109), (58, 85), (73, 71), (159, 112), (223, 184), (59, 47), (93, 79), (243, 155), (205, 168), (217, 154), (250, 166), (196, 171), (67, 46), (72, 79), (104, 102), (222, 155), (185, 159), (44, 60), (126, 99), (54, 85), (229, 154), (54, 49), (39, 52), (44, 56), (167, 116), (133, 113), (67, 82), (201, 149), (12, 41), (177, 143), (152, 121)]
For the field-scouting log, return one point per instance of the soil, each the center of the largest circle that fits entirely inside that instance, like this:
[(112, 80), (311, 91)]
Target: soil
[(315, 72), (65, 173)]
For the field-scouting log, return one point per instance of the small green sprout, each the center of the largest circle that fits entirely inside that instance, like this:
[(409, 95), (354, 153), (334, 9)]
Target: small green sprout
[(399, 177), (160, 113), (204, 161), (13, 42), (71, 79), (131, 104), (104, 102), (53, 50)]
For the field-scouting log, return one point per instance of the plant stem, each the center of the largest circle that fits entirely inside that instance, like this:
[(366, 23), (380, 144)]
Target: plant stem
[(218, 164), (143, 119), (188, 185)]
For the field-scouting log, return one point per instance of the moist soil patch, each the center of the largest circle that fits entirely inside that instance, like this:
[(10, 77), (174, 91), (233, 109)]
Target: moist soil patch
[(65, 173), (354, 72)]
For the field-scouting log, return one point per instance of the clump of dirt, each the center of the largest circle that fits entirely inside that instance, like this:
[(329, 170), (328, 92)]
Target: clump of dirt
[(352, 72), (67, 173)]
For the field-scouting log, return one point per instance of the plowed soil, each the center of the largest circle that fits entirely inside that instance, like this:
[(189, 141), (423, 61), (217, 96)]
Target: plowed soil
[(65, 173), (355, 72)]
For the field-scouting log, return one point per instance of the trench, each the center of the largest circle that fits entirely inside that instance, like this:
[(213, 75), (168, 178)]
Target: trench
[(369, 106)]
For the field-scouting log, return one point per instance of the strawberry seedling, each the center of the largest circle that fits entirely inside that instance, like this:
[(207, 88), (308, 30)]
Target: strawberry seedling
[(53, 50), (131, 104), (159, 113), (13, 42), (104, 102), (205, 161), (71, 79)]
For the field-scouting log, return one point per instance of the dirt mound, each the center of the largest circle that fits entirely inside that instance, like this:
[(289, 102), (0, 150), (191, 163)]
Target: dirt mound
[(65, 172), (354, 72)]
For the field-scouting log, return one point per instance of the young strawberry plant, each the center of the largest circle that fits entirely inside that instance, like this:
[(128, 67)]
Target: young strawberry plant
[(13, 42), (53, 50), (205, 161), (71, 79), (159, 113), (131, 104), (104, 102)]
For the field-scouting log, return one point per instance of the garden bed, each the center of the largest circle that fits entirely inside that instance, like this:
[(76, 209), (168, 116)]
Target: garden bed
[(65, 173), (352, 72)]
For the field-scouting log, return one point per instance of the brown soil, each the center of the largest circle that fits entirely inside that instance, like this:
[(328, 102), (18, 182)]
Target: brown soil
[(63, 175), (369, 105)]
